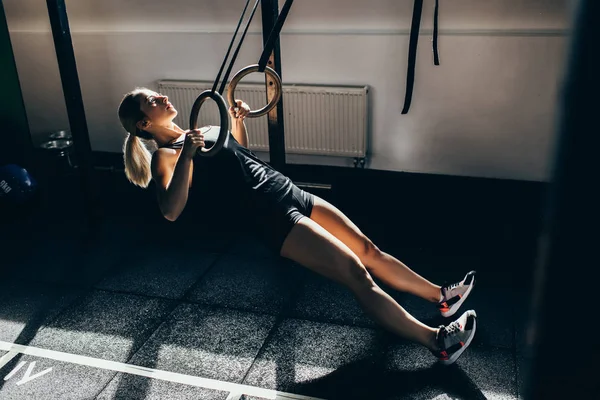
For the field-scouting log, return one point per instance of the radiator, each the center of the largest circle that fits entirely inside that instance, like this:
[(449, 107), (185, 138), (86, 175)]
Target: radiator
[(318, 120)]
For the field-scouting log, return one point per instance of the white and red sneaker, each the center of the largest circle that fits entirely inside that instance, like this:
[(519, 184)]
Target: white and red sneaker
[(455, 294), (454, 338)]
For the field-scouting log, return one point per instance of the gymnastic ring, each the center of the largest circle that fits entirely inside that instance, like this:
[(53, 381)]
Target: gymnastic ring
[(248, 70), (223, 111)]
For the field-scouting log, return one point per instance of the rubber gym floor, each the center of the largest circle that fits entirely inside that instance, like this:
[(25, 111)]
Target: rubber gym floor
[(207, 313)]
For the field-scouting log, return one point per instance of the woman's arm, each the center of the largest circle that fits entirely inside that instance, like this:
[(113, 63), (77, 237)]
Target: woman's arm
[(238, 130), (173, 177), (173, 183), (238, 126)]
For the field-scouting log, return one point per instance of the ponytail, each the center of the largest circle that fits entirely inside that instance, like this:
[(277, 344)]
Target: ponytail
[(137, 160), (136, 155)]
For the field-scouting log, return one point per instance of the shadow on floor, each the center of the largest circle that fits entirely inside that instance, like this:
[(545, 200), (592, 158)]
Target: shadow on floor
[(361, 380)]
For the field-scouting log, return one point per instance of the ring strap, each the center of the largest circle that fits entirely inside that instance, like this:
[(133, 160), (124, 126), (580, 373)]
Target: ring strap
[(237, 50), (274, 36), (231, 45)]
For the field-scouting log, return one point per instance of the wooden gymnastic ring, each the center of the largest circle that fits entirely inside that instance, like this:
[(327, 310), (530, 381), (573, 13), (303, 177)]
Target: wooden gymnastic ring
[(223, 111), (248, 70)]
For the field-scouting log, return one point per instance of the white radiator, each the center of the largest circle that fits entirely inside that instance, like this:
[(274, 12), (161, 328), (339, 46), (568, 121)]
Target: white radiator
[(318, 120)]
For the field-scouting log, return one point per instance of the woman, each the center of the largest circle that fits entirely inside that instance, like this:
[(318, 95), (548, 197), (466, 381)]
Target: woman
[(297, 225)]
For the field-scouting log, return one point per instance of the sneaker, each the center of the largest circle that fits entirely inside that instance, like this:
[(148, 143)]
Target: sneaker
[(456, 337), (455, 295)]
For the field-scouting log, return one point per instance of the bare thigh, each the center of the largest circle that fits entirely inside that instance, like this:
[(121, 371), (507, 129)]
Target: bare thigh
[(340, 226), (313, 247)]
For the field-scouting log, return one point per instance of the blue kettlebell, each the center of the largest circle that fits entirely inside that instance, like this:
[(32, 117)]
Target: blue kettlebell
[(16, 185)]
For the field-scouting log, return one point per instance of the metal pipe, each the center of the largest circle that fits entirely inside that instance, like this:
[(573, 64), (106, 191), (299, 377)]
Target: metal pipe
[(270, 12), (67, 66)]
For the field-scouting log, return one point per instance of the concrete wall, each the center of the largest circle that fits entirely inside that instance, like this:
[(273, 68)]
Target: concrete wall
[(487, 111)]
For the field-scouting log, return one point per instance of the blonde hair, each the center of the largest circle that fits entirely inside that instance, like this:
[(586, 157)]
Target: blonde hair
[(136, 155)]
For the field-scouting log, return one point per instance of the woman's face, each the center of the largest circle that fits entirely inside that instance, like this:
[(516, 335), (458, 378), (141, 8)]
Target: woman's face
[(157, 108)]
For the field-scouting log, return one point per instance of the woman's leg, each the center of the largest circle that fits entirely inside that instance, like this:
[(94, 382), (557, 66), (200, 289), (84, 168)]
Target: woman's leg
[(384, 266), (312, 246)]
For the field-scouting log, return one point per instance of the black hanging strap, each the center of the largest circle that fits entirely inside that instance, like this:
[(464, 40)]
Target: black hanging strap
[(412, 53), (436, 55), (412, 49)]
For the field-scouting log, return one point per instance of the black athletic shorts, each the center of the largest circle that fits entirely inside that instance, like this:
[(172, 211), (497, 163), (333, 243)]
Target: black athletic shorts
[(275, 222)]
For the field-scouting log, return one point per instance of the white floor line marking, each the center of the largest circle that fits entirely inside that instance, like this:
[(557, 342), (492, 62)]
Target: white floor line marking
[(27, 377), (15, 370), (234, 396), (151, 373), (5, 359)]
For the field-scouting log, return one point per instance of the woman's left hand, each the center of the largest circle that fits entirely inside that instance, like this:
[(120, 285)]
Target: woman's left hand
[(240, 110)]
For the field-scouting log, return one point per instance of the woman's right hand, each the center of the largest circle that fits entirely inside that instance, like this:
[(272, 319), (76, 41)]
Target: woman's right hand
[(194, 139)]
